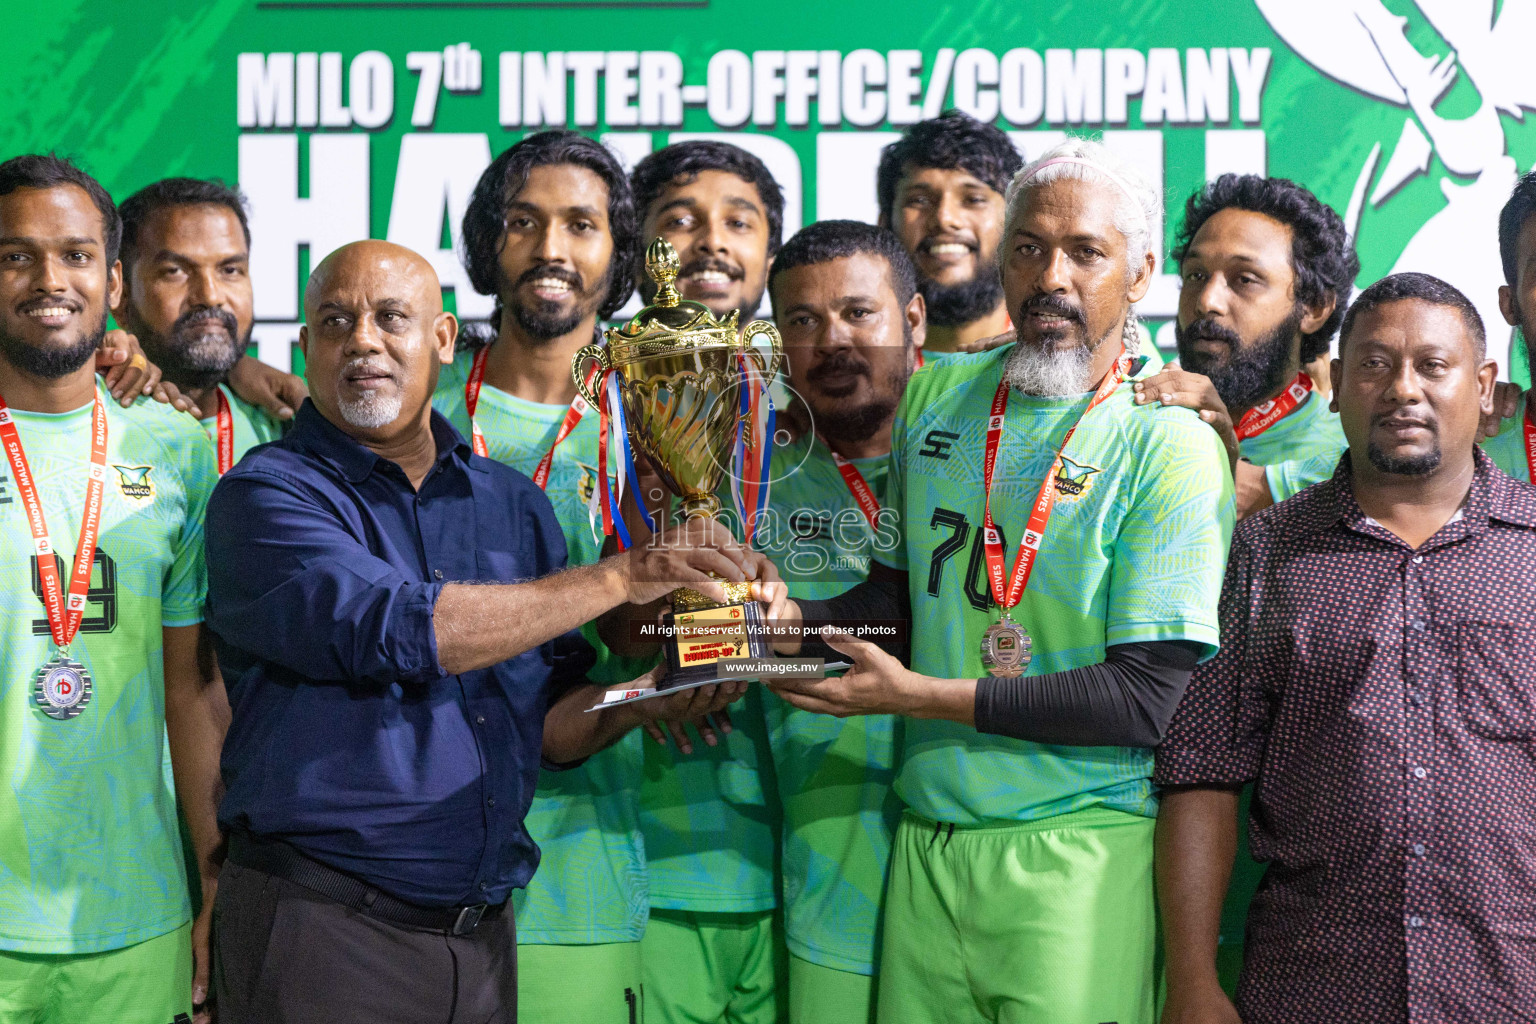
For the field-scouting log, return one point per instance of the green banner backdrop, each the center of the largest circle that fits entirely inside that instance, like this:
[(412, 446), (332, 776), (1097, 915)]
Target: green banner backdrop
[(346, 118)]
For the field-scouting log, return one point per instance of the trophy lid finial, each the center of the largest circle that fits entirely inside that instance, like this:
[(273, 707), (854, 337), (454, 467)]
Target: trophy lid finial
[(662, 264)]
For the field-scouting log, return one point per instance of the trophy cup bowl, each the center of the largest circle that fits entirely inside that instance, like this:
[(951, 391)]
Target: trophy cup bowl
[(679, 381)]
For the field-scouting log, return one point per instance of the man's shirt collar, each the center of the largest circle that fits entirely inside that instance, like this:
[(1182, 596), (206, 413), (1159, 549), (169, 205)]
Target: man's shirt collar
[(355, 460)]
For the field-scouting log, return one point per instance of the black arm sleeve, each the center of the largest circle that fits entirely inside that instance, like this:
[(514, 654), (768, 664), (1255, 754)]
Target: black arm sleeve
[(882, 600), (1127, 700)]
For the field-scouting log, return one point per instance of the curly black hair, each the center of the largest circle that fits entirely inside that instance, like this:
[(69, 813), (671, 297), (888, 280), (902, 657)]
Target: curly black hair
[(687, 159), (952, 140), (39, 170), (1518, 210), (1424, 287), (484, 230), (168, 192), (829, 240), (1322, 253)]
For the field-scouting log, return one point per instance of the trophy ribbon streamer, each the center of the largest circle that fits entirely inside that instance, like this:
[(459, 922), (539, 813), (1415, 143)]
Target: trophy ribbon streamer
[(613, 429), (750, 476)]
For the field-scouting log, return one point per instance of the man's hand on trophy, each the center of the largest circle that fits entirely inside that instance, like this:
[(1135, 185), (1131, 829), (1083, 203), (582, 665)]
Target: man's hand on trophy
[(685, 555), (877, 684), (768, 587)]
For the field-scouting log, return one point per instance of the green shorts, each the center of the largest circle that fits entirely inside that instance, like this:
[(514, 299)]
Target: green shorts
[(712, 968), (1050, 920), (599, 984), (149, 982), (825, 995)]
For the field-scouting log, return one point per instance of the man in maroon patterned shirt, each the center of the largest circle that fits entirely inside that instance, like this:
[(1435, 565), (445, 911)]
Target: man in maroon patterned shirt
[(1377, 680)]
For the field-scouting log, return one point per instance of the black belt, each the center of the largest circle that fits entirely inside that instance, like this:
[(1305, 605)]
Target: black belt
[(283, 861)]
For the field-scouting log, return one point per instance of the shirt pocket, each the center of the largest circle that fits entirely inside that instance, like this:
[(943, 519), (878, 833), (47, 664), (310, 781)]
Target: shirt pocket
[(1496, 680)]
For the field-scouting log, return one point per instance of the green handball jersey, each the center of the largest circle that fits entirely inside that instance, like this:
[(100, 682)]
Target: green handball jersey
[(253, 425), (1298, 450), (1134, 552), (591, 884), (90, 856), (834, 775), (1507, 448)]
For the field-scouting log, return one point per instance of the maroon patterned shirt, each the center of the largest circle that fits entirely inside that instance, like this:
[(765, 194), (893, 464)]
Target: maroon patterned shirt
[(1384, 701)]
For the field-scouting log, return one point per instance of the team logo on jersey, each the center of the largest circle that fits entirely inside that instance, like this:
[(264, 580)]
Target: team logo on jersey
[(133, 482), (587, 484), (938, 443), (1073, 478)]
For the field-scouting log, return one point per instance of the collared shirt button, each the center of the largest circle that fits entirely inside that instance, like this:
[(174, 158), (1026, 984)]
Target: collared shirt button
[(479, 719), (1419, 773), (1418, 624), (1418, 849), (1417, 559), (437, 574), (490, 801), (1416, 698), (1415, 921), (484, 886)]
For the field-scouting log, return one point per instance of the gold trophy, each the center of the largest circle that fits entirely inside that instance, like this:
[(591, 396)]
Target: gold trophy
[(679, 381)]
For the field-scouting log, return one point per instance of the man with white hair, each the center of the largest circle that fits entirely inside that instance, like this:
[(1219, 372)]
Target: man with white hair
[(1021, 878)]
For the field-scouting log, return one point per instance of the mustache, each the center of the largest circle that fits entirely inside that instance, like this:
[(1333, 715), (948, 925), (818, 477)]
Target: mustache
[(367, 365), (1043, 303), (559, 273), (840, 361), (1210, 330), (1398, 419), (194, 318), (704, 263)]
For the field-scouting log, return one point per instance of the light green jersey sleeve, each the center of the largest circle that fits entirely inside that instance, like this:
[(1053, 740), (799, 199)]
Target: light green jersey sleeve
[(186, 579)]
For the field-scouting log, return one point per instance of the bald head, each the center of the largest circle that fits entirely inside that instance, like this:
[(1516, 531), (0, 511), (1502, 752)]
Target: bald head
[(374, 338)]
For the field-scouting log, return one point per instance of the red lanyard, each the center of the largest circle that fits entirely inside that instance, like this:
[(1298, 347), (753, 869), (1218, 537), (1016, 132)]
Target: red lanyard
[(857, 486), (225, 432), (573, 416), (1530, 443), (1040, 515), (919, 365), (1261, 417), (64, 613)]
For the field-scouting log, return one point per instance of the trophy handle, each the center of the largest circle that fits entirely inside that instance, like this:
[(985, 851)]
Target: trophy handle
[(775, 345), (593, 353)]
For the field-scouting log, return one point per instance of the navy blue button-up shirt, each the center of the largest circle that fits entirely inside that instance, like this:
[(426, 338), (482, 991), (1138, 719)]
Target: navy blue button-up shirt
[(348, 740)]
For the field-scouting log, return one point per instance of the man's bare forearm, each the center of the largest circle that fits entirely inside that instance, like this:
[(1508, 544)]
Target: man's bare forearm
[(1196, 843), (571, 732), (479, 625), (196, 719)]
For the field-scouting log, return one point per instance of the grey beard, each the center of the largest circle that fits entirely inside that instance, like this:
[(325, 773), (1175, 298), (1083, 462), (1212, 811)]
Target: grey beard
[(373, 410), (1048, 372)]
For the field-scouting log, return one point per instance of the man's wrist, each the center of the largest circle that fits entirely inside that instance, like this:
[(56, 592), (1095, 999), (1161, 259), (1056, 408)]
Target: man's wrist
[(930, 697)]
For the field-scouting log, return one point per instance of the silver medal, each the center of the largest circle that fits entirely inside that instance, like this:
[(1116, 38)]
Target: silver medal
[(1005, 649), (63, 687)]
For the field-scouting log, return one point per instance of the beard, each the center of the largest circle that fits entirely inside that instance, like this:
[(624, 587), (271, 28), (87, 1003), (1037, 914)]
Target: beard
[(53, 361), (545, 321), (373, 409), (1403, 465), (1044, 369), (1251, 373), (191, 356), (855, 424), (955, 305)]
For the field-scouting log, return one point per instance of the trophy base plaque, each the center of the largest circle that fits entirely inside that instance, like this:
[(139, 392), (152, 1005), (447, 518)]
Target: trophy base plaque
[(700, 635)]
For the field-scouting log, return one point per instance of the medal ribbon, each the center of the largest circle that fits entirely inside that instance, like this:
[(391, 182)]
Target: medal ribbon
[(1530, 442), (1261, 417), (64, 612), (573, 415), (1040, 515), (225, 432), (857, 486)]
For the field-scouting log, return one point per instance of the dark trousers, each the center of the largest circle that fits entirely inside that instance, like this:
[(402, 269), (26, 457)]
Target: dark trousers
[(286, 955)]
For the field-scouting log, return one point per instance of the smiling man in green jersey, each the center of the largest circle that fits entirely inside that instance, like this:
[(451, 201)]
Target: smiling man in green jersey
[(1051, 527), (187, 298), (713, 946), (1267, 269), (100, 666), (550, 232), (845, 300)]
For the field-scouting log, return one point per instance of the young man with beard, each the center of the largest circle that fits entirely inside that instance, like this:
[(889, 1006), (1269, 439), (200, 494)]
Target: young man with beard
[(1511, 449), (713, 944), (187, 298), (550, 232), (723, 213), (1375, 684), (1050, 526), (1267, 270), (101, 554), (940, 189), (845, 299)]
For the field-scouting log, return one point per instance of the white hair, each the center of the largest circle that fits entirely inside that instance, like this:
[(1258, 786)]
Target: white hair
[(1078, 159)]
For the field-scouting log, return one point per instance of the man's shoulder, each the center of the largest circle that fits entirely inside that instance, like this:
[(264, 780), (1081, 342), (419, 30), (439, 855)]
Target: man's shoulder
[(263, 424), (156, 433), (950, 386), (1308, 512)]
